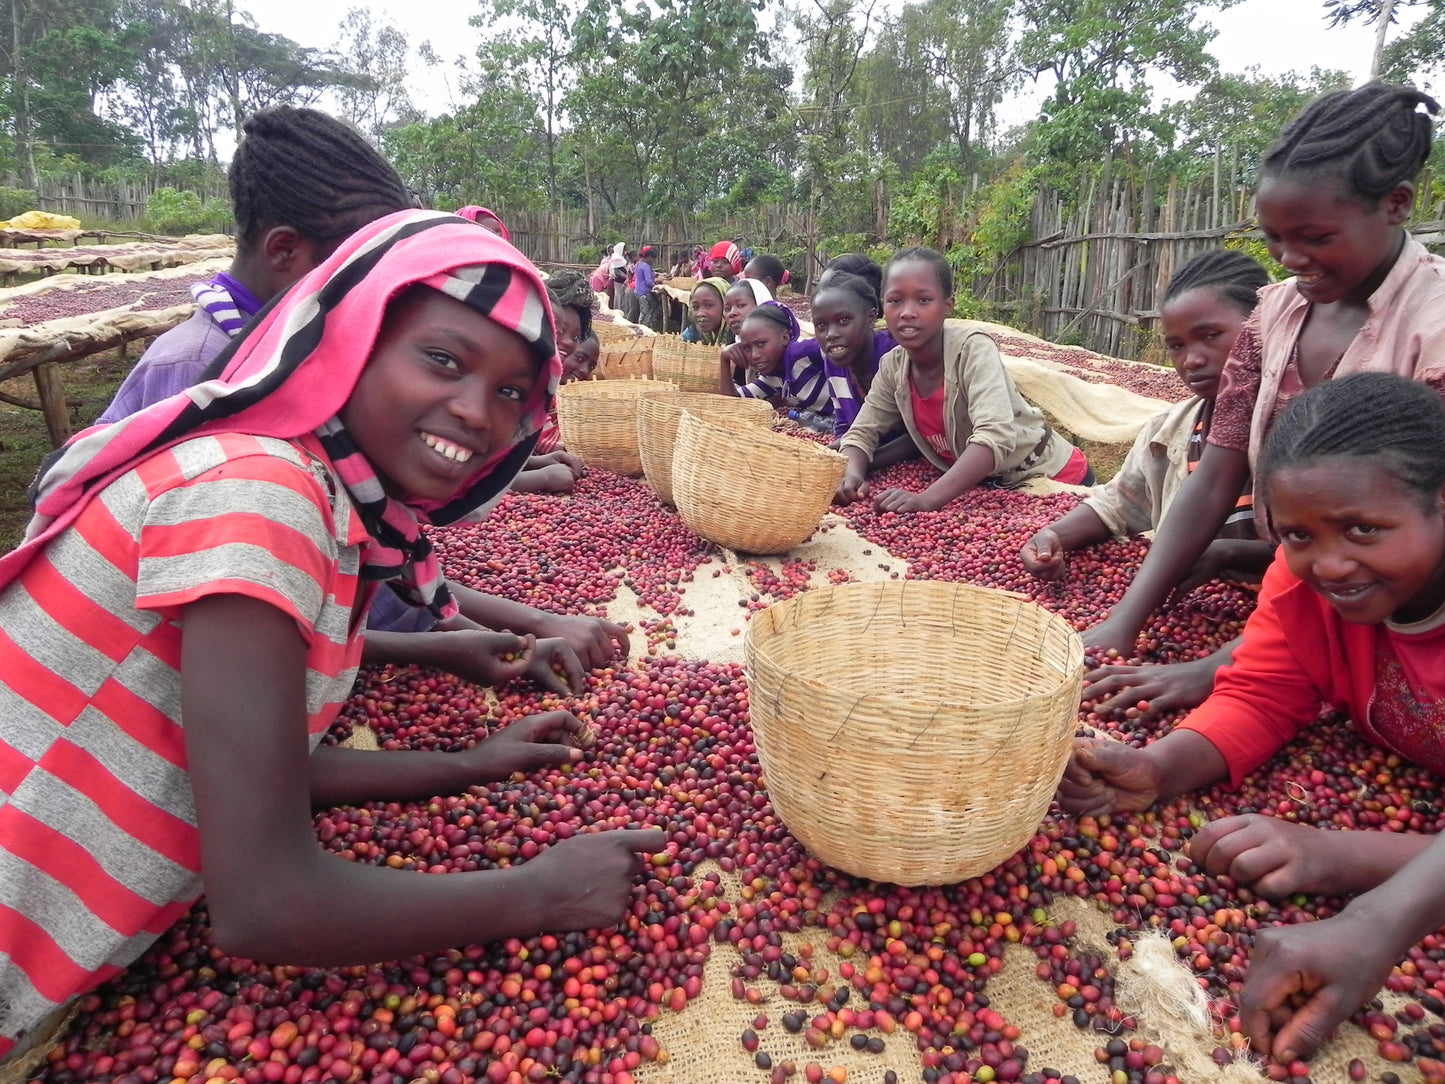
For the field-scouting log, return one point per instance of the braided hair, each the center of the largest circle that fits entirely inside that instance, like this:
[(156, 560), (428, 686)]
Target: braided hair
[(571, 288), (853, 263), (940, 264), (306, 169), (1235, 276), (1373, 139), (1365, 416), (854, 285)]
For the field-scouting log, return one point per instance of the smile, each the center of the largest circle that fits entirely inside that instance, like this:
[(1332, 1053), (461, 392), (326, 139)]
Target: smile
[(445, 448), (1308, 280), (1345, 594)]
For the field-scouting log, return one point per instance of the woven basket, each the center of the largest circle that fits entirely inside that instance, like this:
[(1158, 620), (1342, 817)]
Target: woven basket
[(691, 366), (751, 489), (658, 417), (915, 731), (598, 419), (626, 358), (32, 1060), (609, 331)]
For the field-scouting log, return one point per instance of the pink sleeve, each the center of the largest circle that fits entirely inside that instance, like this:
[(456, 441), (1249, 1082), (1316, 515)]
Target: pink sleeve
[(1239, 388), (1265, 696)]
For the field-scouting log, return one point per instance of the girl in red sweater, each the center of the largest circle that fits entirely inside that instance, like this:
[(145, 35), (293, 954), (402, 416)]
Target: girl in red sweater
[(1351, 615)]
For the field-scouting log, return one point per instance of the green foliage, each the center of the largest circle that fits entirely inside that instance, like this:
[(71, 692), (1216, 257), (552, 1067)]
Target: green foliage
[(588, 254), (16, 201), (177, 212)]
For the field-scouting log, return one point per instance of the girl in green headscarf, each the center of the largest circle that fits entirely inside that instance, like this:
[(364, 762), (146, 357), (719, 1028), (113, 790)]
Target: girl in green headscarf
[(706, 325)]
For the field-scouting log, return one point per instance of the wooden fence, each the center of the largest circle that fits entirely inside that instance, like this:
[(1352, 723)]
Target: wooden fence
[(1092, 273)]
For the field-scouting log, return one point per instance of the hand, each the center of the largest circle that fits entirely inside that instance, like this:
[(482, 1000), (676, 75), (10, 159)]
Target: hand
[(586, 881), (901, 500), (1166, 688), (1305, 980), (1043, 555), (596, 641), (552, 655), (553, 478), (1275, 857), (538, 741), (853, 487), (734, 356), (1105, 776), (562, 456), (479, 655), (1108, 635)]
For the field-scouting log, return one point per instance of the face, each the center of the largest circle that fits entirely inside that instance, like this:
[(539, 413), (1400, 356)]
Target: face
[(721, 268), (1353, 533), (843, 325), (579, 364), (569, 329), (736, 307), (1338, 248), (914, 304), (764, 344), (444, 389), (707, 310), (1200, 327), (751, 272)]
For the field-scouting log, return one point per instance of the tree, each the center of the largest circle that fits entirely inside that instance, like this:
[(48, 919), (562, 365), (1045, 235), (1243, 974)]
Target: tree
[(533, 52), (1100, 52), (374, 59)]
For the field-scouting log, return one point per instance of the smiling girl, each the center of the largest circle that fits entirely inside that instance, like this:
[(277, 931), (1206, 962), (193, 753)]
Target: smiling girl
[(705, 304), (184, 621), (1351, 614), (948, 387)]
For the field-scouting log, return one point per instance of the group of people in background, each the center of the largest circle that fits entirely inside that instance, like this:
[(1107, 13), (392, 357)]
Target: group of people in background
[(366, 368)]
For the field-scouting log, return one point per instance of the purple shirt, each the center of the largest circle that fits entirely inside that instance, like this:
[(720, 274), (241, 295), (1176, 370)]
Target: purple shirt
[(800, 382), (846, 396), (643, 278), (176, 359)]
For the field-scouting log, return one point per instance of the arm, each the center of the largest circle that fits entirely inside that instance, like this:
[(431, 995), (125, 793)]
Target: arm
[(595, 640), (877, 416), (972, 467), (274, 894), (1194, 518), (726, 362), (552, 478), (1043, 554), (1304, 980), (1105, 776), (895, 451)]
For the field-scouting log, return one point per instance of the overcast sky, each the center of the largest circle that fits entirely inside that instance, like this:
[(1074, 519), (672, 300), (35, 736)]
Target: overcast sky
[(1277, 36)]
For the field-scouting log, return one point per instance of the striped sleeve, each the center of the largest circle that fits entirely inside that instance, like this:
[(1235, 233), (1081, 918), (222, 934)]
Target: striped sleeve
[(255, 525)]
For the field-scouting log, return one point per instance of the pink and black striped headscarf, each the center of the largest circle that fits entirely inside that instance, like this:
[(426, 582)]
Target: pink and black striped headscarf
[(472, 213), (292, 371), (726, 250)]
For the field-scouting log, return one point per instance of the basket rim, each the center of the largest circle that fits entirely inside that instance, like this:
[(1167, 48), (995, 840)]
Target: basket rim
[(755, 651), (767, 437)]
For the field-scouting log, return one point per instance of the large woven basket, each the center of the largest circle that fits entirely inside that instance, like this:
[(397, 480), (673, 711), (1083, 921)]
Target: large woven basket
[(598, 419), (658, 417), (691, 366), (625, 358), (912, 731), (751, 489)]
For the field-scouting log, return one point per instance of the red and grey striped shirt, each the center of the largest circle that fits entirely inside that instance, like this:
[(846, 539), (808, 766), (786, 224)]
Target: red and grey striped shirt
[(99, 851)]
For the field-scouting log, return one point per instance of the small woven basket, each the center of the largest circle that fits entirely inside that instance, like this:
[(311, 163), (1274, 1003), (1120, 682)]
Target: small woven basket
[(751, 489), (912, 731), (598, 419), (691, 366), (658, 417), (625, 358), (609, 331)]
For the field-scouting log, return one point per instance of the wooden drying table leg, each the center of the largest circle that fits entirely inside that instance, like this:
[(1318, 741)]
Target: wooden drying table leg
[(52, 402)]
